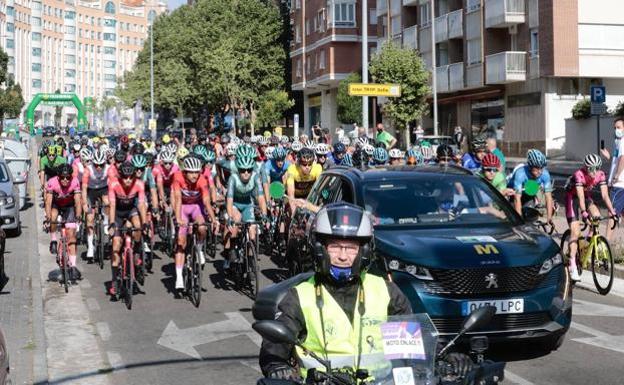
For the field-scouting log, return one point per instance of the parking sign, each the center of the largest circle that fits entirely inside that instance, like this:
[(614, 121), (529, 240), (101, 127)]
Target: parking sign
[(598, 94)]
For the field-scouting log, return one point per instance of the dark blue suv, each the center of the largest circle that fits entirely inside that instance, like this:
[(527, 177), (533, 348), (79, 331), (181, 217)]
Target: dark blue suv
[(452, 243)]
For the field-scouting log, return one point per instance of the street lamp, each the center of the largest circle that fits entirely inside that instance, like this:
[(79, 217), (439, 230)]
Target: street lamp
[(434, 75), (150, 19)]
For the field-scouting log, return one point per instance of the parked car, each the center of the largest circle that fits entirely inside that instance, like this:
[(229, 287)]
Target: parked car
[(4, 361), (437, 140), (18, 160), (452, 243), (9, 202)]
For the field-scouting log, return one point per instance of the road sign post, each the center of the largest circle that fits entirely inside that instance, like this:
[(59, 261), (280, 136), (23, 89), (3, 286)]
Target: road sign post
[(598, 96), (296, 124)]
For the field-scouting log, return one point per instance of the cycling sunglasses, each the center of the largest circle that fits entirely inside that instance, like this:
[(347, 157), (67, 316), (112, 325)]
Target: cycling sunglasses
[(245, 170), (305, 164), (65, 177), (490, 169)]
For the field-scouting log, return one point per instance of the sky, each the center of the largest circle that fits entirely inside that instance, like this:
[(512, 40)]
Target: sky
[(173, 4)]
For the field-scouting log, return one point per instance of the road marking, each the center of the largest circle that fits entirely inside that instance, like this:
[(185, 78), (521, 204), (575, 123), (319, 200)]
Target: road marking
[(600, 339), (115, 361), (185, 340), (93, 304), (103, 330), (516, 379), (597, 309)]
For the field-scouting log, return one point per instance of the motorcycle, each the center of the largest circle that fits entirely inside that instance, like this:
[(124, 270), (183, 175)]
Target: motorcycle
[(400, 350)]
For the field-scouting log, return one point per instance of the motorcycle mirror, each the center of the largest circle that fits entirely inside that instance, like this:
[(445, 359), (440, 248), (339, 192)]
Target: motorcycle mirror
[(478, 319), (275, 332)]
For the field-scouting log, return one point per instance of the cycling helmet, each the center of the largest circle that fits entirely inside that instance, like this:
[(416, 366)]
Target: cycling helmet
[(284, 139), (305, 155), (172, 147), (309, 144), (262, 141), (84, 140), (395, 153), (167, 156), (345, 140), (225, 139), (126, 169), (296, 146), (120, 156), (361, 142), (64, 170), (166, 139), (139, 161), (254, 139), (191, 164), (347, 161), (490, 161), (86, 155), (269, 152), (478, 143), (99, 157), (294, 139), (444, 151), (110, 152), (535, 158), (245, 162), (124, 139), (427, 152), (322, 149), (182, 152), (210, 156), (60, 142), (274, 140), (247, 139), (339, 148), (279, 154), (230, 149), (380, 155), (138, 148), (245, 151), (592, 161), (76, 147), (369, 150), (414, 156), (201, 151)]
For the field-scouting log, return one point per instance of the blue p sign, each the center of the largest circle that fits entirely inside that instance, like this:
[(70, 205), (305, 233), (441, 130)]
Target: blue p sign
[(598, 94)]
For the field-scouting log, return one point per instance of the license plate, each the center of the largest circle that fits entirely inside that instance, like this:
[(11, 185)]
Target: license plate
[(503, 306)]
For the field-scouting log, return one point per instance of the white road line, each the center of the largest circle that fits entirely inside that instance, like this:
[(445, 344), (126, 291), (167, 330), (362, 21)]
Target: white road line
[(103, 330), (115, 361), (93, 304), (589, 330), (516, 379)]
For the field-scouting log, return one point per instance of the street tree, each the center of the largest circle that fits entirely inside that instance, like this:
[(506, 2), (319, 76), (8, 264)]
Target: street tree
[(11, 99), (405, 67), (349, 107), (271, 107)]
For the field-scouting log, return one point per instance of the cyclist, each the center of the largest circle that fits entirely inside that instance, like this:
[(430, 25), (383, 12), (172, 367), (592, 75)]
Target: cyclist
[(338, 153), (49, 164), (163, 173), (126, 197), (396, 157), (580, 205), (413, 157), (94, 188), (472, 160), (81, 162), (490, 166), (63, 198), (380, 156), (444, 154), (276, 168), (244, 188), (534, 170), (208, 159), (427, 153), (301, 177), (191, 195), (321, 151)]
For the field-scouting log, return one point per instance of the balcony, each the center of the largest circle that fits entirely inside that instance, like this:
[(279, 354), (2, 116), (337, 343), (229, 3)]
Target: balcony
[(534, 70), (441, 28), (456, 24), (424, 39), (474, 75), (456, 76), (504, 13), (382, 7), (397, 39), (410, 3), (410, 37), (505, 67), (442, 78)]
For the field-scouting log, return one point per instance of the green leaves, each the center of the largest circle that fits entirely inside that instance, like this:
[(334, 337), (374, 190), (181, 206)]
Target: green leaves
[(349, 107), (402, 66), (272, 106), (11, 99)]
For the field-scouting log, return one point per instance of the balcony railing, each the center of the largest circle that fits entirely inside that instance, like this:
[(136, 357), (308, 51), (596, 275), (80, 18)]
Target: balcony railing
[(424, 39), (534, 64), (410, 3), (410, 37), (441, 28), (456, 76), (382, 7), (505, 67), (456, 24), (504, 13), (442, 78), (474, 75)]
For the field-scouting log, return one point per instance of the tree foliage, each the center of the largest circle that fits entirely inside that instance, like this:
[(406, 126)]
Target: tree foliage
[(11, 99), (349, 107), (582, 110), (272, 105), (405, 67), (210, 55)]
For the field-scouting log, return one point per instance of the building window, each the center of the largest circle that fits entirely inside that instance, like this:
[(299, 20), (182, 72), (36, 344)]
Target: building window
[(344, 14), (298, 4), (10, 11), (10, 43), (109, 36), (308, 65), (534, 42), (69, 29), (110, 22), (110, 8), (36, 67), (297, 34), (70, 44), (109, 64), (321, 60), (36, 52), (109, 92), (36, 21), (307, 27), (372, 16), (109, 51), (70, 15), (298, 66), (473, 5), (70, 59), (474, 51), (70, 88), (36, 83), (321, 20), (10, 27), (109, 77), (36, 36), (424, 14), (70, 73)]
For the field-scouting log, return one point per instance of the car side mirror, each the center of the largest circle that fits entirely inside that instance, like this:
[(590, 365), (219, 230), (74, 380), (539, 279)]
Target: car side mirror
[(530, 214)]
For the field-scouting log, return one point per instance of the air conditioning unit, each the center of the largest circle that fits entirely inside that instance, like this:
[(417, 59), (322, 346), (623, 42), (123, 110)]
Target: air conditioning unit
[(513, 29)]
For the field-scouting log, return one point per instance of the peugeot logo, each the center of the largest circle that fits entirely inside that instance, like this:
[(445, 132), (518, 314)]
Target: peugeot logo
[(492, 281)]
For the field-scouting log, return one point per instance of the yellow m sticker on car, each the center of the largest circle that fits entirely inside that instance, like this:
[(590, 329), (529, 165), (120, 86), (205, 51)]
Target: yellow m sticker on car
[(486, 249)]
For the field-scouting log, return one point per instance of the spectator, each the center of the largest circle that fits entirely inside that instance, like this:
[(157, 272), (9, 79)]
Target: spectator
[(458, 136), (384, 137), (500, 132), (616, 175), (339, 132), (493, 148), (418, 134)]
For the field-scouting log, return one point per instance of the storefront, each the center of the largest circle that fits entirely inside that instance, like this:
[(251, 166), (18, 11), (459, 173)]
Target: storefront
[(314, 111), (487, 115)]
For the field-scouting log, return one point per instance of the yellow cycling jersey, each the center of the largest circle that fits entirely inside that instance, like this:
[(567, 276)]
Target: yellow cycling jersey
[(303, 183)]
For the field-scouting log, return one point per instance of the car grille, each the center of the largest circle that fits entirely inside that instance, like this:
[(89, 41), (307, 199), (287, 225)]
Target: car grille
[(501, 322), (475, 281)]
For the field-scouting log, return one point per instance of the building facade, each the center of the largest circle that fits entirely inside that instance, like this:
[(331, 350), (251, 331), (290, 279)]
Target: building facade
[(519, 65), (74, 46), (326, 47)]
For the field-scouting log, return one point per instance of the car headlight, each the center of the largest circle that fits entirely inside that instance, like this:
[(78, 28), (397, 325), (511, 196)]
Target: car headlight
[(419, 272), (551, 263)]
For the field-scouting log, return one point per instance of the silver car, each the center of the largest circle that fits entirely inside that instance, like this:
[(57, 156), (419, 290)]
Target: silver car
[(9, 202)]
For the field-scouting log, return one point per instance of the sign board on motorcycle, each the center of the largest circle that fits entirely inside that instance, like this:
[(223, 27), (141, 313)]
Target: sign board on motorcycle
[(402, 340)]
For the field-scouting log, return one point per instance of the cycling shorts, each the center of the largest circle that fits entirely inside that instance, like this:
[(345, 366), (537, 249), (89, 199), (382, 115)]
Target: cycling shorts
[(190, 213), (121, 216), (573, 209), (246, 210), (95, 194), (68, 213)]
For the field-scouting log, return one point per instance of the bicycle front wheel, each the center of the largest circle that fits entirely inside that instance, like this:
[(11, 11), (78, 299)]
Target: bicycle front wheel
[(127, 278), (602, 265), (196, 277), (65, 269), (99, 247), (252, 268)]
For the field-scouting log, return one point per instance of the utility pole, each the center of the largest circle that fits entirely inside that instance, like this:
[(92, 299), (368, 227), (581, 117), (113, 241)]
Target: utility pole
[(434, 76), (152, 76), (365, 62)]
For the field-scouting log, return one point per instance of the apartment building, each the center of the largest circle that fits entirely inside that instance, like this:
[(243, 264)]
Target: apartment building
[(75, 46), (326, 48), (516, 64)]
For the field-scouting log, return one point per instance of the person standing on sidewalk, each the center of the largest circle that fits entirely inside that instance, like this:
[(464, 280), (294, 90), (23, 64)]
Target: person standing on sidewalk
[(616, 175), (384, 137)]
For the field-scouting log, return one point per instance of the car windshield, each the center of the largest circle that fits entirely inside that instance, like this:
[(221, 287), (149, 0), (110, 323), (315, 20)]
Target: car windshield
[(430, 200), (4, 173)]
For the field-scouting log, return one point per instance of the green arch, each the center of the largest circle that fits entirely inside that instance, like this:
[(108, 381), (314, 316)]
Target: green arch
[(55, 99)]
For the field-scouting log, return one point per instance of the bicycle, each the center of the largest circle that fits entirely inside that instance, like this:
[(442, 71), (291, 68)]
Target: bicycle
[(277, 236), (593, 252), (127, 277), (98, 233), (167, 231), (245, 268), (192, 270), (62, 255), (210, 244)]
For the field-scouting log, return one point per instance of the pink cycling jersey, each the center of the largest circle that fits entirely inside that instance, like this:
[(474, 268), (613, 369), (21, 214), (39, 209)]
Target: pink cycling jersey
[(162, 176), (126, 198), (581, 178), (207, 173), (62, 196)]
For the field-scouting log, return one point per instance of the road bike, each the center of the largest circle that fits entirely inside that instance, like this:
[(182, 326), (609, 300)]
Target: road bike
[(62, 254), (210, 244), (277, 236), (594, 253), (126, 280), (192, 270), (167, 231), (244, 269), (99, 233)]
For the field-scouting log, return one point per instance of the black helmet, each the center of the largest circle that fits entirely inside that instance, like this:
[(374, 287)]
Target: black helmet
[(64, 170), (360, 158), (126, 169), (444, 151), (341, 221), (120, 156), (138, 148), (306, 154)]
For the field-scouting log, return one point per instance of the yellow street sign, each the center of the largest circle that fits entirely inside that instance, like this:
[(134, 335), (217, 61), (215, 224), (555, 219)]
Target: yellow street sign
[(371, 89)]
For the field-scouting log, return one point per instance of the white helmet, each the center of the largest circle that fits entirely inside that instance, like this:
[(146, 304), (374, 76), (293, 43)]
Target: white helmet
[(171, 147), (309, 144), (284, 139), (296, 146), (86, 155), (269, 152), (254, 139), (76, 147), (192, 164), (230, 149), (110, 152), (362, 141), (322, 149), (593, 161), (167, 156), (427, 152), (262, 140), (395, 153), (99, 157), (369, 149), (345, 140)]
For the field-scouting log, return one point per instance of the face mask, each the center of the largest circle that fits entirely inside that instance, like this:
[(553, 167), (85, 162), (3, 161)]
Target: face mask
[(340, 274), (619, 134), (379, 130)]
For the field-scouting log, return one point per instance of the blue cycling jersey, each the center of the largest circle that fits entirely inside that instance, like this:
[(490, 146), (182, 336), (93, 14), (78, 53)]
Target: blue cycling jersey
[(522, 174), (470, 162), (276, 173)]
